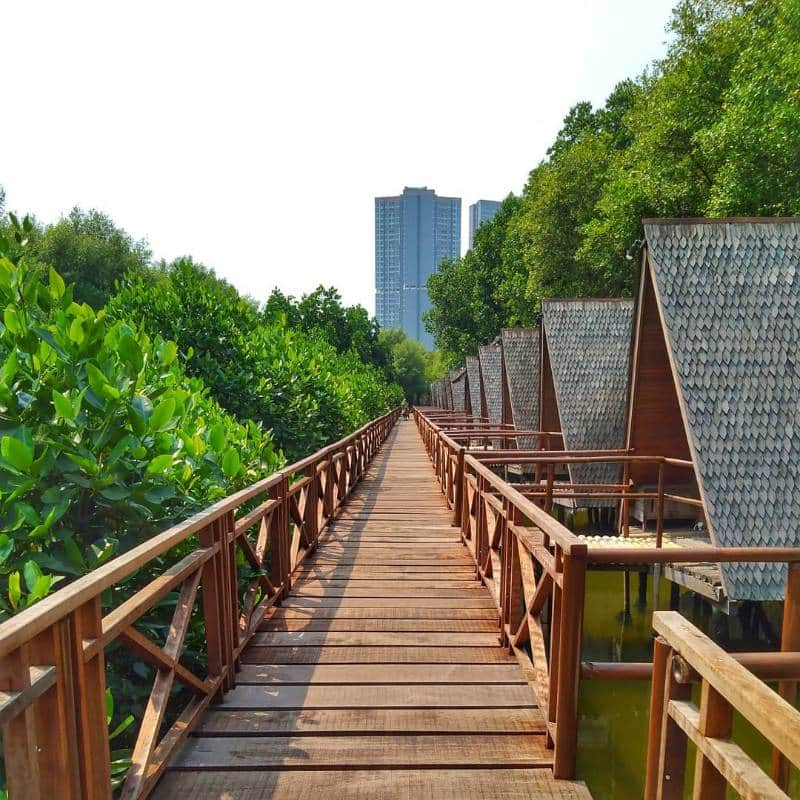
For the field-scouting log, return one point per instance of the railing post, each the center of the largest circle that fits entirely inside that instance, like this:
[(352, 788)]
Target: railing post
[(90, 690), (569, 668), (459, 488), (661, 651), (672, 754), (660, 506), (624, 510), (310, 519), (790, 642)]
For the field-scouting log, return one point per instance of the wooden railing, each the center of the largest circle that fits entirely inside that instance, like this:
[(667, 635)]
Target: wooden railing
[(682, 656), (445, 440), (536, 569), (52, 655)]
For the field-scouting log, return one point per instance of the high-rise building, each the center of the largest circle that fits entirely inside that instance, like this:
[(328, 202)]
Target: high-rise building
[(414, 232), (481, 212)]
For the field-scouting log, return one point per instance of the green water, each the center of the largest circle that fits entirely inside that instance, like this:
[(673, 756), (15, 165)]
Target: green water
[(612, 734)]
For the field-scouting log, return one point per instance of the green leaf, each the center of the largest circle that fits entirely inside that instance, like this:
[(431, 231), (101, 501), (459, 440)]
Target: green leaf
[(159, 464), (230, 463), (131, 353), (162, 414), (57, 286), (6, 547), (14, 590), (168, 352), (115, 493), (142, 406), (17, 453), (63, 405), (217, 438), (32, 573), (12, 320)]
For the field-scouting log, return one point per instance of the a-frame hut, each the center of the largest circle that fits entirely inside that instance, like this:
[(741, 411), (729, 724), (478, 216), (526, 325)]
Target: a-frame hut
[(474, 387), (716, 379), (520, 370), (458, 386), (448, 392), (585, 356), (491, 362)]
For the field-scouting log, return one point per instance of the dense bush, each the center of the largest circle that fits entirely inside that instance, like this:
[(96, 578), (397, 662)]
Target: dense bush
[(104, 440), (295, 383)]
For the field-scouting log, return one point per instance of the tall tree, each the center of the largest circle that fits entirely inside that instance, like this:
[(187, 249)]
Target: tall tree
[(89, 250)]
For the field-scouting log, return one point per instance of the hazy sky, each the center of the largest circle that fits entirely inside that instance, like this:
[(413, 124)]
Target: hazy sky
[(255, 135)]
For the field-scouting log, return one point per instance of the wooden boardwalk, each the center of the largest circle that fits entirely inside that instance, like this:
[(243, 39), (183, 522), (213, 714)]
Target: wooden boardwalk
[(381, 675)]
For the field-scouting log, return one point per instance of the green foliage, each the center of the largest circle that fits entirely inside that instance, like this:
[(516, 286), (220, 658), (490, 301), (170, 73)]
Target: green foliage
[(712, 129), (296, 384), (322, 314), (409, 361), (103, 439), (89, 251)]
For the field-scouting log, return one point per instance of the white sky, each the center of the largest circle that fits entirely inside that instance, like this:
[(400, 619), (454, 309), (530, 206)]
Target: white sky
[(255, 135)]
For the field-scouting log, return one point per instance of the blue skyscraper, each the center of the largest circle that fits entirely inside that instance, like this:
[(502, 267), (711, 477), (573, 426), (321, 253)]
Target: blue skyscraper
[(481, 212), (414, 232)]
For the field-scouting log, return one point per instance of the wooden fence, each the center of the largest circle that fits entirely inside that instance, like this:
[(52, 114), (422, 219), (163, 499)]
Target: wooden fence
[(682, 656), (536, 569), (52, 656)]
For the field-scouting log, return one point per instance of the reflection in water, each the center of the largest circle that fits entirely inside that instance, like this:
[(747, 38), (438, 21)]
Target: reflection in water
[(613, 714)]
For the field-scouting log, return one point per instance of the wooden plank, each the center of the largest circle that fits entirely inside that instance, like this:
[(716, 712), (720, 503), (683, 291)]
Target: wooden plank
[(383, 612), (375, 655), (399, 591), (446, 784), (397, 625), (389, 602), (379, 673), (379, 639), (379, 696), (294, 722), (350, 752)]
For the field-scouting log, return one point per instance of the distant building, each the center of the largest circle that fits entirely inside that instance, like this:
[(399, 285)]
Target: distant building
[(481, 212), (414, 232)]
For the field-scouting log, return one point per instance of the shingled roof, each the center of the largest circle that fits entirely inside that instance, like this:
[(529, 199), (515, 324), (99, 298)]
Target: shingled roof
[(729, 291), (448, 392), (458, 385), (521, 362), (589, 343), (474, 381), (490, 356)]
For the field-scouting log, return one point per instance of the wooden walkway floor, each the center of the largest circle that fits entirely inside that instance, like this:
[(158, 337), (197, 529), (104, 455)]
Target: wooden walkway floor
[(381, 675)]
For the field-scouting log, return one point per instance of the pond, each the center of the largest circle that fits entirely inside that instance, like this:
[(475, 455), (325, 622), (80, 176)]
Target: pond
[(612, 734)]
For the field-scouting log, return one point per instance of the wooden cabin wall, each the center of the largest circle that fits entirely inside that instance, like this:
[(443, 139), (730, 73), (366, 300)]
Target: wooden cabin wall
[(655, 426), (549, 419)]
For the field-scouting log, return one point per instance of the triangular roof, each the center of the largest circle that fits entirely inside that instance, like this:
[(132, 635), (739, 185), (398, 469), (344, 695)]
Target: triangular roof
[(490, 356), (458, 385), (474, 383), (521, 371), (728, 293), (448, 392), (588, 342)]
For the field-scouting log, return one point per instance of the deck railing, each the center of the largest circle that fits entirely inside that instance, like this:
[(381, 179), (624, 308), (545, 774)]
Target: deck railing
[(536, 569), (52, 655), (682, 656)]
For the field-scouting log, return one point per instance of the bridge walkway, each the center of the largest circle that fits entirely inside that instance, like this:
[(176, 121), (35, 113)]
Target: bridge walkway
[(381, 674)]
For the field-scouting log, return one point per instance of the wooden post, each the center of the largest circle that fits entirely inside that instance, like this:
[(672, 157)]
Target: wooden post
[(459, 488), (310, 519), (661, 652), (716, 721), (90, 691), (19, 734), (569, 667), (548, 503), (672, 753), (624, 510), (790, 642), (660, 506)]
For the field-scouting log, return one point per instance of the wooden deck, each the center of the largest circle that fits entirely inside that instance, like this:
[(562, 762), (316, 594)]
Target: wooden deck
[(381, 675)]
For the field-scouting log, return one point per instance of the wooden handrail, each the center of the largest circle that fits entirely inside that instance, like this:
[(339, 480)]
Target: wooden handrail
[(52, 655), (726, 686)]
